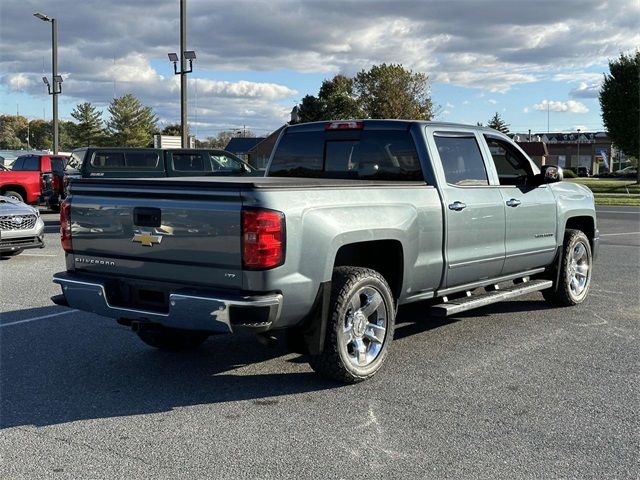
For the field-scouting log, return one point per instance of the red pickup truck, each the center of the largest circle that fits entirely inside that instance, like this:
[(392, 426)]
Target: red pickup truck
[(35, 178)]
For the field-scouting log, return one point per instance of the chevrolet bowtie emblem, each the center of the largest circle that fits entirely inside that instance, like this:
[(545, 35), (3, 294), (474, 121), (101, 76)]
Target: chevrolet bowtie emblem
[(146, 239)]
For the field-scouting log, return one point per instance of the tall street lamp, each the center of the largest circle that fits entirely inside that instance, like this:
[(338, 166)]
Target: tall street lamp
[(55, 78), (185, 55), (579, 160)]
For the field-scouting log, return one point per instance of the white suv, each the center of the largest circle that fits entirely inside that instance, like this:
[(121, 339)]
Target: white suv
[(20, 227)]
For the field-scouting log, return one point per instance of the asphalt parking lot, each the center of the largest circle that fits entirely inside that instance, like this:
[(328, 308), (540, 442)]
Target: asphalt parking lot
[(514, 390)]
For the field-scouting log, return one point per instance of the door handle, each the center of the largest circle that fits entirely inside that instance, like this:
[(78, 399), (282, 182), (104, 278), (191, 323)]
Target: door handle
[(514, 202), (457, 206)]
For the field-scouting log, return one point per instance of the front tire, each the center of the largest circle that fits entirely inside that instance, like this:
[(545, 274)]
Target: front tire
[(361, 326), (172, 339), (576, 264)]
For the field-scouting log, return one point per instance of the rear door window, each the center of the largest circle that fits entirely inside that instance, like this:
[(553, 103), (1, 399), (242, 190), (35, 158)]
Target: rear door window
[(357, 154), (188, 162), (461, 159)]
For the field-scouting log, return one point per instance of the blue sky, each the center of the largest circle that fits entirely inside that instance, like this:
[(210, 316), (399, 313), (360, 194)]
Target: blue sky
[(257, 59)]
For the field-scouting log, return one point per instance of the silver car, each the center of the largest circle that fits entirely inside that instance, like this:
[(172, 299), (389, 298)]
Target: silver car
[(20, 227)]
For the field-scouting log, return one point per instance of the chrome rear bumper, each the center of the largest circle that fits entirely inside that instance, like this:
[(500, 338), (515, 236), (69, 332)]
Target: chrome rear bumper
[(187, 310)]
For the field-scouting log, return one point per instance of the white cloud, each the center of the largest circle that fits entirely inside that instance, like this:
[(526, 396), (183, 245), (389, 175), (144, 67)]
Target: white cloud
[(525, 110), (573, 77), (586, 90), (492, 101), (19, 81), (244, 89), (570, 106)]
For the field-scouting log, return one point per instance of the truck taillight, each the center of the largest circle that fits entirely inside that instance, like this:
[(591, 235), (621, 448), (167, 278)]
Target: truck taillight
[(65, 226), (263, 239), (349, 125)]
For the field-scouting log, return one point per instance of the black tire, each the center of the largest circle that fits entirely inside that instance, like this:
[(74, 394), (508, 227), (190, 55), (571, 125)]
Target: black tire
[(14, 195), (566, 293), (337, 361), (172, 339)]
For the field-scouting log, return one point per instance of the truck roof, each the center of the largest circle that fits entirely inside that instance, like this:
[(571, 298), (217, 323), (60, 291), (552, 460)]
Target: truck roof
[(386, 124)]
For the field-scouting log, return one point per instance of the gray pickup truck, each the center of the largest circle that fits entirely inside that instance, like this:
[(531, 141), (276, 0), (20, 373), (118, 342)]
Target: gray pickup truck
[(353, 219)]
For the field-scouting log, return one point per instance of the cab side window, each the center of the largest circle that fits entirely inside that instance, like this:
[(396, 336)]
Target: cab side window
[(512, 167), (461, 160), (188, 162)]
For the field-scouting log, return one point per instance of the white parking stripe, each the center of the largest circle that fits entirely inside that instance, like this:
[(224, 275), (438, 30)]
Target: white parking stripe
[(37, 255), (38, 318), (612, 234)]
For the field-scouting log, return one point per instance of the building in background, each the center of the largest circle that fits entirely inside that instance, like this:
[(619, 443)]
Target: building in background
[(240, 146), (260, 153), (592, 150)]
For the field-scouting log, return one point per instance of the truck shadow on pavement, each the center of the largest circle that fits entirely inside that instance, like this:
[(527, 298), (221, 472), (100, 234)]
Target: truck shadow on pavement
[(80, 366)]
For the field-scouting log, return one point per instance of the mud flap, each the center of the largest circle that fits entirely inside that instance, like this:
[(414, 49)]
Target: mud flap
[(308, 338)]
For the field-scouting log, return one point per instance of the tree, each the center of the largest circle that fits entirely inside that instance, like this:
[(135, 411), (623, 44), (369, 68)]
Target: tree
[(391, 91), (90, 128), (221, 140), (620, 103), (131, 123), (41, 134), (497, 123), (13, 132), (384, 91), (173, 129)]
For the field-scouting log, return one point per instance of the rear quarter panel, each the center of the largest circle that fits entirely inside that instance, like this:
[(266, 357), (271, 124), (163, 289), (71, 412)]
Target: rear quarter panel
[(320, 221)]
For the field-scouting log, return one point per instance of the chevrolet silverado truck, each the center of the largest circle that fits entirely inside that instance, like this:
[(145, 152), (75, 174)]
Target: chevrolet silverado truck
[(353, 219), (35, 178)]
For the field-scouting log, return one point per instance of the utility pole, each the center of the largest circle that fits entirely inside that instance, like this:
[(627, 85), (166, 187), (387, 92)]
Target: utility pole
[(184, 56), (183, 75), (56, 79)]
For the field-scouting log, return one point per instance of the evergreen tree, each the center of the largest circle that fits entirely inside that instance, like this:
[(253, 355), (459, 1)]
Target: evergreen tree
[(131, 123), (497, 123), (90, 128)]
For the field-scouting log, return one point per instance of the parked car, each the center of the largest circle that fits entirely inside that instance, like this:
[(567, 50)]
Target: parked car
[(630, 171), (35, 178), (107, 162), (353, 219), (20, 227)]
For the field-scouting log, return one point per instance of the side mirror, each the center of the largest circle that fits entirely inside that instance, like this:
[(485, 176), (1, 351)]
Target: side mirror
[(367, 170), (551, 174)]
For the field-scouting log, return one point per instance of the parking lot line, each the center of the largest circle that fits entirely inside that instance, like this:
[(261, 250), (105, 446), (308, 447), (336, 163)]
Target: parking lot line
[(38, 318), (38, 255), (612, 234)]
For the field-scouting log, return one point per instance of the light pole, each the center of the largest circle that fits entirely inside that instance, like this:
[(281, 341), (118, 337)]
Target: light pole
[(579, 161), (55, 78), (184, 56)]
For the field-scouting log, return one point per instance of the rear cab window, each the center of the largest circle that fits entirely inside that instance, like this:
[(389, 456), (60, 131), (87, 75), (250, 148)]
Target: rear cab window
[(348, 154), (27, 163)]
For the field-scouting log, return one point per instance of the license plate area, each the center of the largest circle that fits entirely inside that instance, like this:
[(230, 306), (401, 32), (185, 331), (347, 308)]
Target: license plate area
[(138, 296)]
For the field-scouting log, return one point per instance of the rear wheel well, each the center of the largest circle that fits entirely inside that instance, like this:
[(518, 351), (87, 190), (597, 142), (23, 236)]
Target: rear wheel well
[(584, 224), (383, 256), (15, 188)]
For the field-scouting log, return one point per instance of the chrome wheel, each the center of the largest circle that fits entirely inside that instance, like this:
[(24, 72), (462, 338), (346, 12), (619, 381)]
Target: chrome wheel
[(365, 327), (578, 271)]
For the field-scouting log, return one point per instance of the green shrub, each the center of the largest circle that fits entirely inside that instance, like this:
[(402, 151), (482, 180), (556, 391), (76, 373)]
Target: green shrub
[(568, 173)]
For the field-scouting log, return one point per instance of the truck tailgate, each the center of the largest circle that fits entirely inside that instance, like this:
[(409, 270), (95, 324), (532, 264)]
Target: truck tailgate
[(158, 232)]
